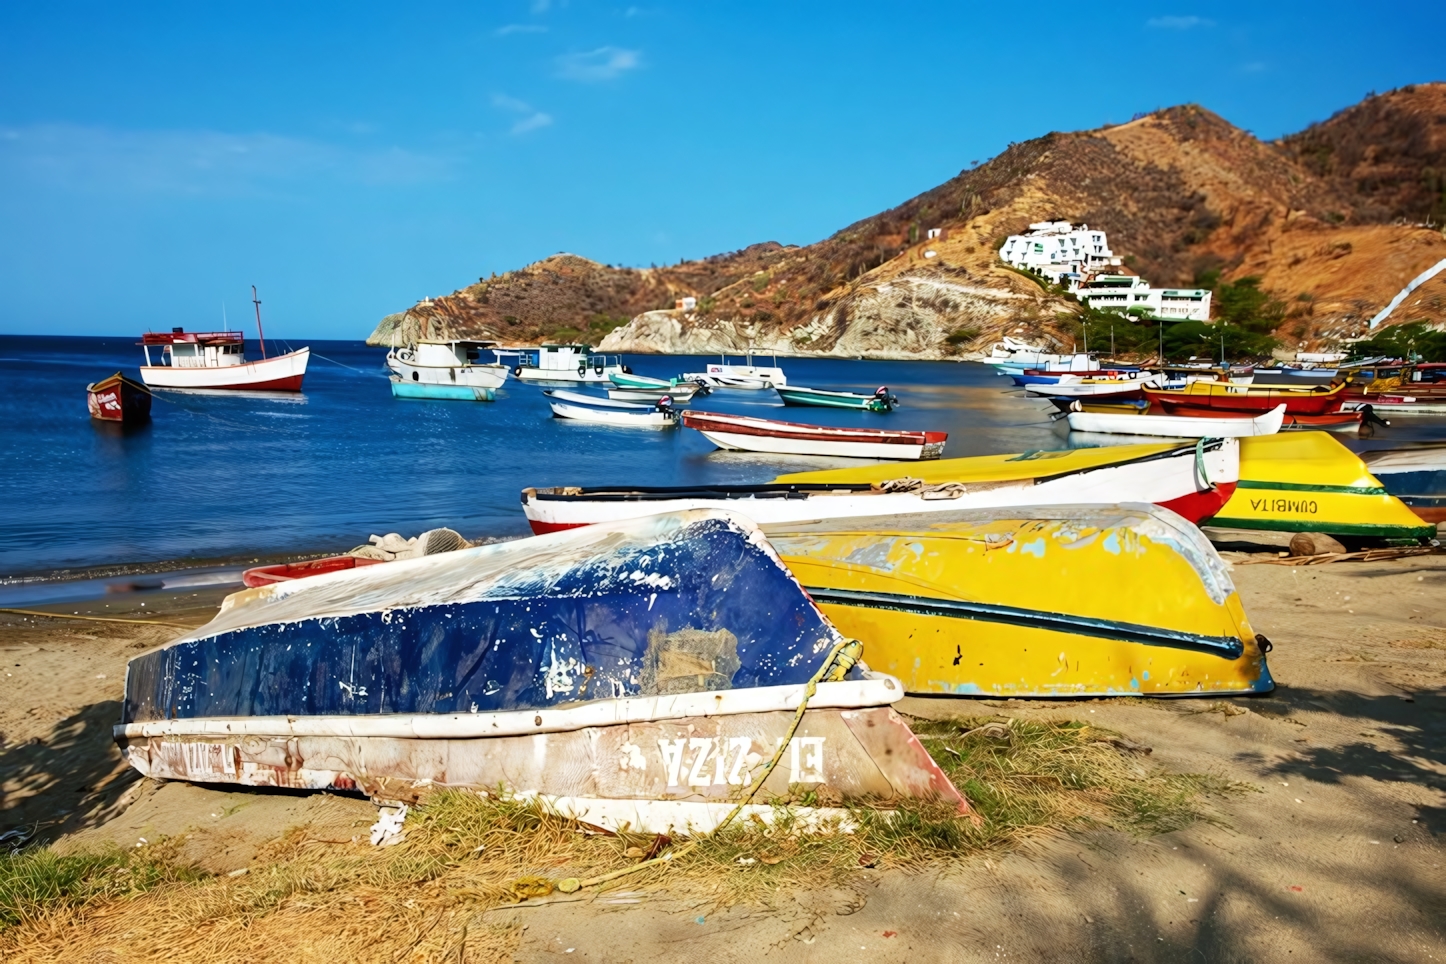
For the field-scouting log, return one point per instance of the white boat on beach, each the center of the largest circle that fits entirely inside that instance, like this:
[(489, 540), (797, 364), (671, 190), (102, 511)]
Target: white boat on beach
[(750, 377), (447, 364), (1177, 426), (740, 433)]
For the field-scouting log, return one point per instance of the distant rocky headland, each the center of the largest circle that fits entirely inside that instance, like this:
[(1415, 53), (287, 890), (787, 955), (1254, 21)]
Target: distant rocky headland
[(1333, 220)]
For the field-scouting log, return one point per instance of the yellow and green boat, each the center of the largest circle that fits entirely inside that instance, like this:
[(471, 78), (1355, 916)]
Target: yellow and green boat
[(1309, 482), (1060, 601)]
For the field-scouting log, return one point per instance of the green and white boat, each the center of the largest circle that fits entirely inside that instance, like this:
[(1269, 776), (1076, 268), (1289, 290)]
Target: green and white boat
[(879, 401)]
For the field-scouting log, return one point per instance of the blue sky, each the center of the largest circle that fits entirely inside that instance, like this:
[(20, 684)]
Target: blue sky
[(156, 159)]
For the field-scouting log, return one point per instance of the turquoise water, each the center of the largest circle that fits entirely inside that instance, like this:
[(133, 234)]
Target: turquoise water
[(215, 475)]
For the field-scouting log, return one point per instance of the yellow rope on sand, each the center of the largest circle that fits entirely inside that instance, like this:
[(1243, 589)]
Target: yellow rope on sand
[(840, 660), (97, 619)]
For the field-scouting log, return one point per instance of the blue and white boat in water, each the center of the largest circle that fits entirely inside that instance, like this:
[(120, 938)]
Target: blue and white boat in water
[(449, 370), (631, 674)]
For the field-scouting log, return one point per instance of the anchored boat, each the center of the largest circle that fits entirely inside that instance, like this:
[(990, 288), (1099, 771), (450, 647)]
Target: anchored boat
[(750, 376), (879, 401), (631, 675), (1193, 480), (118, 399), (743, 434), (607, 411), (1309, 482), (216, 360), (1203, 398), (1177, 426), (1034, 601), (445, 369), (562, 363)]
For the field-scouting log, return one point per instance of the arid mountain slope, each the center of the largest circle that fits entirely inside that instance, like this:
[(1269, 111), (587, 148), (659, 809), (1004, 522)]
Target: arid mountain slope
[(1180, 192), (1388, 153)]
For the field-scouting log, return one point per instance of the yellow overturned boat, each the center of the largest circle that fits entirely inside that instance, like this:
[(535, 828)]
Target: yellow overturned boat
[(1057, 601), (1309, 482)]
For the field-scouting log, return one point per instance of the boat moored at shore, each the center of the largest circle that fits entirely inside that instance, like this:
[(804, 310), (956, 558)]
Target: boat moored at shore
[(743, 434), (216, 360), (446, 364)]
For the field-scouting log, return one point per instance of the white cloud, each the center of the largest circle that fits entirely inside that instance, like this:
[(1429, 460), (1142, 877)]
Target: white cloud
[(532, 123), (197, 162), (1179, 23), (534, 119), (512, 28), (604, 63)]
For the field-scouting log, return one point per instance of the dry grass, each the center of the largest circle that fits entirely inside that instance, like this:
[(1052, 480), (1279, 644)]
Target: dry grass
[(427, 898)]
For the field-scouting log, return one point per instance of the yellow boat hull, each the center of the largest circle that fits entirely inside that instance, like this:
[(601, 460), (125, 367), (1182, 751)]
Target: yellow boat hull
[(1068, 601), (1310, 482)]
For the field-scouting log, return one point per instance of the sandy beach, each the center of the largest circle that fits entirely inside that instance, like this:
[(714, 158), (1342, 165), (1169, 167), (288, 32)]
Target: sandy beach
[(1329, 848)]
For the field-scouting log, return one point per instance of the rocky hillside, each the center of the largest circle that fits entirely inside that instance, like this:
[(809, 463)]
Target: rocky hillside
[(1332, 219)]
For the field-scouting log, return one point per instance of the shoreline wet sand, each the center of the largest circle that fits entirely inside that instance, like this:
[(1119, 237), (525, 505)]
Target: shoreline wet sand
[(1329, 848)]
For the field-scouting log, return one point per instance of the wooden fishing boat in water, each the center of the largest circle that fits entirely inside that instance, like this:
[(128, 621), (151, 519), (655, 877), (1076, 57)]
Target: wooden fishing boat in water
[(1177, 426), (1030, 602), (1203, 398), (1415, 474), (635, 675), (446, 365), (1309, 482), (743, 434), (118, 399), (216, 361), (879, 401), (1191, 479), (678, 393)]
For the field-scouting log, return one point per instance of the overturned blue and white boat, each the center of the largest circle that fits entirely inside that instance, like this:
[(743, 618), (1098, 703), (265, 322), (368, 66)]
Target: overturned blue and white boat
[(631, 674)]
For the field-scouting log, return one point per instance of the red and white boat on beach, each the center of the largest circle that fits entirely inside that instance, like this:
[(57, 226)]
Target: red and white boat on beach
[(1194, 480), (743, 434), (217, 360)]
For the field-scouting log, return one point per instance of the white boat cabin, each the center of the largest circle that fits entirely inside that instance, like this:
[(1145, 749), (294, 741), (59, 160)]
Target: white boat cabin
[(192, 349), (563, 363), (445, 354)]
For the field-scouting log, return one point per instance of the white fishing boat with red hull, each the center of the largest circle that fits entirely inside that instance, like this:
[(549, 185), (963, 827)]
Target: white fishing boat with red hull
[(1194, 480), (216, 360), (743, 434)]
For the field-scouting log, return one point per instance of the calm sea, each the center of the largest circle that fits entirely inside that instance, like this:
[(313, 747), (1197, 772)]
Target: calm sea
[(214, 476)]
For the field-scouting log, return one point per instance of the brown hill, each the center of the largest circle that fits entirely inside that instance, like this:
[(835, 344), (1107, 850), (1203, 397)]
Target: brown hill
[(1179, 192), (1388, 153)]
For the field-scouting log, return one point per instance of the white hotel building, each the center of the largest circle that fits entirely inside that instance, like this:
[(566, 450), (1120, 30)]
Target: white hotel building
[(1076, 257)]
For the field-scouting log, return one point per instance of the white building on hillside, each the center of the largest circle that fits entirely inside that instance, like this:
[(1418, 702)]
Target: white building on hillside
[(1122, 293), (1062, 252)]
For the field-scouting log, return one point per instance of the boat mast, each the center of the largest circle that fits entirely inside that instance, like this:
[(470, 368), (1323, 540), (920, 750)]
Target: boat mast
[(260, 335)]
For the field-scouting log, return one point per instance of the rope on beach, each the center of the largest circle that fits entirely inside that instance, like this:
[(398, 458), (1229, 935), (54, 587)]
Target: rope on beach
[(96, 619)]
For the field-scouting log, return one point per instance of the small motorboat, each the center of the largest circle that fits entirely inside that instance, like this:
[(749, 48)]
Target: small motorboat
[(678, 393), (879, 401), (1112, 389), (445, 365), (1310, 482), (1034, 378), (740, 433), (267, 575), (118, 399), (606, 411), (1401, 405), (1416, 475), (402, 388), (634, 676), (1191, 479), (1177, 426), (749, 377), (1030, 602), (1206, 397)]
